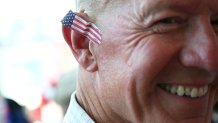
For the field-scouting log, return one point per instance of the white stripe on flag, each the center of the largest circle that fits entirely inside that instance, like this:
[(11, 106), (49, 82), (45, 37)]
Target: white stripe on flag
[(87, 28), (87, 24), (88, 34)]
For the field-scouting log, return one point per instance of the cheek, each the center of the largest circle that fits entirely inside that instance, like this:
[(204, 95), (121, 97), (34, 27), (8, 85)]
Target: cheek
[(148, 60), (115, 80), (128, 69)]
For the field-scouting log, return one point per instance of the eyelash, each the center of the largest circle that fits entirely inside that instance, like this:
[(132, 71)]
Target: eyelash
[(168, 20), (173, 23), (168, 24)]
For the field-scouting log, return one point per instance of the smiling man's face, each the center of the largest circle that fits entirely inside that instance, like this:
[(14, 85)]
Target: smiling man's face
[(158, 61)]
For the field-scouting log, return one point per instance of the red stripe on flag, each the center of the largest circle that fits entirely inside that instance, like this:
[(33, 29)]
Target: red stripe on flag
[(86, 30), (87, 27), (85, 33)]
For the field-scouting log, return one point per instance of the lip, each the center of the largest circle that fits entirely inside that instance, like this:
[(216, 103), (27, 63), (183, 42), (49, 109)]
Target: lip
[(184, 98), (187, 100), (194, 83), (184, 106)]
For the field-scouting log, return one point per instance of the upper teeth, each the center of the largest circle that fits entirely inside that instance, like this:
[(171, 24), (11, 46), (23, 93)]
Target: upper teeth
[(185, 91)]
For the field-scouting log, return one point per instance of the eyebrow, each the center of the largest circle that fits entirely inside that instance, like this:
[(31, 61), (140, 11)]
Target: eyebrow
[(184, 6)]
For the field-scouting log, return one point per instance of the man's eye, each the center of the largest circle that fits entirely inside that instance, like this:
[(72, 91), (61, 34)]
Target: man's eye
[(168, 24), (168, 20), (171, 20)]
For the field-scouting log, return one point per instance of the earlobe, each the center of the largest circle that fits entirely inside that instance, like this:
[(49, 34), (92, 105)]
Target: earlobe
[(80, 47)]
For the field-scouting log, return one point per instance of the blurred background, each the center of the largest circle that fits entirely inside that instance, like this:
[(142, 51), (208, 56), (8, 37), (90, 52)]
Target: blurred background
[(37, 69)]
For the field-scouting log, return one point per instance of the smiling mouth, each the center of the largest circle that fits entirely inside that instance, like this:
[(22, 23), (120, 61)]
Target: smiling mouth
[(185, 91)]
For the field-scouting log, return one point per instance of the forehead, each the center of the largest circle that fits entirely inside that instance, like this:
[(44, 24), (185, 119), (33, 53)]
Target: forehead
[(190, 6)]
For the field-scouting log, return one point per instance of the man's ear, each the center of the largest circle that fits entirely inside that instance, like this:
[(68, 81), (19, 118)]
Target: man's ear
[(80, 47)]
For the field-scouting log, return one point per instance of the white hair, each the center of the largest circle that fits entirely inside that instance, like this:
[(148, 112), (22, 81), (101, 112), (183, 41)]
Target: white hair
[(92, 7)]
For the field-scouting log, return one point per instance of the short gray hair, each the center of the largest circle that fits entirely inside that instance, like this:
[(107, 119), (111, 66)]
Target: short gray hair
[(92, 7)]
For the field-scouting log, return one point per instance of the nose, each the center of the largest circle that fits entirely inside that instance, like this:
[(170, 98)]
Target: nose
[(201, 47)]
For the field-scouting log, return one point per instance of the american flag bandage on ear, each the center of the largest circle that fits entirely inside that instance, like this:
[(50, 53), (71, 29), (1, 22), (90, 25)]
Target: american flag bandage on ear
[(76, 23)]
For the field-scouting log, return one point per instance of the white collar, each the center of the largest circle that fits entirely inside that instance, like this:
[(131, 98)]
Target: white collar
[(75, 113)]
